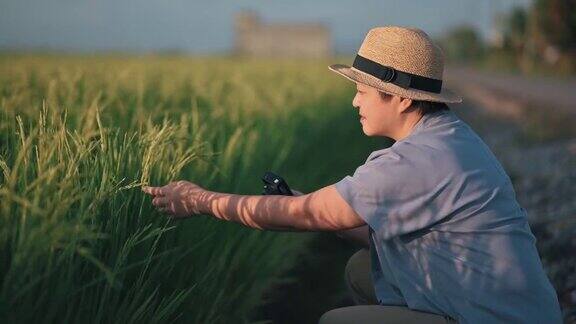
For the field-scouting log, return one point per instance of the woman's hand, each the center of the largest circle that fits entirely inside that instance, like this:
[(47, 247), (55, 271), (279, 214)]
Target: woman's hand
[(180, 199)]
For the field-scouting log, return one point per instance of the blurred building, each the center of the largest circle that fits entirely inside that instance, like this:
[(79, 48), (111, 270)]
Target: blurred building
[(255, 38)]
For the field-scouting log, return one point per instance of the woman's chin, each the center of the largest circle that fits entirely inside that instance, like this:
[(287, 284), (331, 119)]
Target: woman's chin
[(365, 128), (366, 131)]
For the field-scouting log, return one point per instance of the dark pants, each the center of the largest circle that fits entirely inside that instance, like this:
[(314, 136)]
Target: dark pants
[(359, 283)]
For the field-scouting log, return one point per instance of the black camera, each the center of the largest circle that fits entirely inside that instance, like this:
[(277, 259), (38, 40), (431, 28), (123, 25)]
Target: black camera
[(275, 185)]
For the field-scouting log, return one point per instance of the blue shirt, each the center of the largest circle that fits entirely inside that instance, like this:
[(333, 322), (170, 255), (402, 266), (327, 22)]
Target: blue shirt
[(447, 235)]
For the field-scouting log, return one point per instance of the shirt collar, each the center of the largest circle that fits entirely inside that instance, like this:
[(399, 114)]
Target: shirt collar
[(427, 120)]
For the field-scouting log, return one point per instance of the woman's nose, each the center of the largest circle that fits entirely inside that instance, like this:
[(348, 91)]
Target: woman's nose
[(355, 101)]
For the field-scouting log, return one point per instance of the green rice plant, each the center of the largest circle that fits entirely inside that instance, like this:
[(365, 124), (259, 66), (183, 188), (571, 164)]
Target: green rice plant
[(79, 242)]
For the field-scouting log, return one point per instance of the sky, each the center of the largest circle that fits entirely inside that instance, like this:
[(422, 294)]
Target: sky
[(207, 26)]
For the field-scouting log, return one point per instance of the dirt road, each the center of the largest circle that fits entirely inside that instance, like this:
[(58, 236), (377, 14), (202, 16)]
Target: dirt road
[(546, 91)]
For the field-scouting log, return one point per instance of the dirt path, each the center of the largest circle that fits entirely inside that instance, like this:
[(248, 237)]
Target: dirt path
[(546, 91)]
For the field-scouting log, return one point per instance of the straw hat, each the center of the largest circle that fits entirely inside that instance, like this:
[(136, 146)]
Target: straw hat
[(400, 61)]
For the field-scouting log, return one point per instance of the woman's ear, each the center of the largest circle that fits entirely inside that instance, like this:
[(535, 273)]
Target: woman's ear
[(405, 103)]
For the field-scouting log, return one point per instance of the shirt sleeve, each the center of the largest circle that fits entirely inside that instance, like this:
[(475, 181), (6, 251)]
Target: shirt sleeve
[(394, 195)]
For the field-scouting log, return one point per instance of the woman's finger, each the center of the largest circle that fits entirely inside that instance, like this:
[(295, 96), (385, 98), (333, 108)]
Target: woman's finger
[(154, 191)]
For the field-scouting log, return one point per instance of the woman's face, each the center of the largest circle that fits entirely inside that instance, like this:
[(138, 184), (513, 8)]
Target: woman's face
[(378, 116)]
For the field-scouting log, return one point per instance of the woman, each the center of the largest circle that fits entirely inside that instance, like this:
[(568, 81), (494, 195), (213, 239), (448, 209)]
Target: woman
[(447, 238)]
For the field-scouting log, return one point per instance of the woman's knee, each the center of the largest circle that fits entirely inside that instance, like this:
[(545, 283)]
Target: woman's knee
[(359, 279), (335, 316), (358, 262)]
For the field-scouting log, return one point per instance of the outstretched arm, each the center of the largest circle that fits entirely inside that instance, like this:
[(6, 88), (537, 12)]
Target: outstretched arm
[(322, 210)]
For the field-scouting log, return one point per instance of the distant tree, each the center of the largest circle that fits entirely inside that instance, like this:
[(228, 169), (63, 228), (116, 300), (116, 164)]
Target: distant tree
[(515, 33), (542, 35), (555, 20), (463, 43)]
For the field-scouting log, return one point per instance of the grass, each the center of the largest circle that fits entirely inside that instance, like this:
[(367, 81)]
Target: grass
[(79, 242)]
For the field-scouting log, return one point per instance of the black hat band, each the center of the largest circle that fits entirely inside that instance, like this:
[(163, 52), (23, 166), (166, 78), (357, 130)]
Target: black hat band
[(399, 78)]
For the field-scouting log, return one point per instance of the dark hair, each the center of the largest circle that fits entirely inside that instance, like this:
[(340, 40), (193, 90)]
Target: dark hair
[(425, 107), (428, 107)]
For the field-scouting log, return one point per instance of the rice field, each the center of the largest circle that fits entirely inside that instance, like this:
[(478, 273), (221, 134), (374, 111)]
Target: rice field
[(79, 135)]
